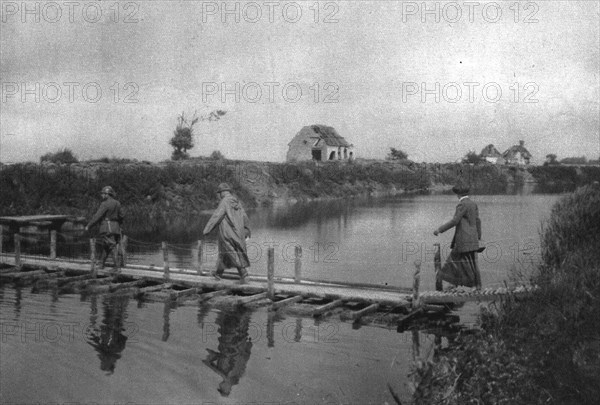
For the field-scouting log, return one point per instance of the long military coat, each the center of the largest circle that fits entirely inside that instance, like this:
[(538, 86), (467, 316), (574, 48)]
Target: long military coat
[(468, 227), (109, 215), (233, 229)]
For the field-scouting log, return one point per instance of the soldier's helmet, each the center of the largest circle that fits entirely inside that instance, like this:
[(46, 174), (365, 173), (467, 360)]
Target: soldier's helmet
[(108, 190), (223, 187)]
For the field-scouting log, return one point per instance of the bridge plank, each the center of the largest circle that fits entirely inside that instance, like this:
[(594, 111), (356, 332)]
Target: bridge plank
[(114, 287), (287, 301), (152, 288), (183, 293), (22, 274), (324, 308), (251, 298), (354, 315)]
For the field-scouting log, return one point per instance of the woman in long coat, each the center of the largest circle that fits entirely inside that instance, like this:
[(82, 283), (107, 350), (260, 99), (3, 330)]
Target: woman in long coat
[(461, 267), (233, 230)]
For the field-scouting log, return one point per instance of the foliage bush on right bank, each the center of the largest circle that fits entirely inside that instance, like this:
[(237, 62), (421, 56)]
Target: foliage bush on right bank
[(543, 349), (559, 178)]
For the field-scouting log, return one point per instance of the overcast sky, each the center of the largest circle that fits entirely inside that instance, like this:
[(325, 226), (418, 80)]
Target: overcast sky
[(361, 66)]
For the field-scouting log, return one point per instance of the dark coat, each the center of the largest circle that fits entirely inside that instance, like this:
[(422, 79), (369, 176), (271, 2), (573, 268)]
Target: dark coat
[(233, 230), (109, 215), (468, 227)]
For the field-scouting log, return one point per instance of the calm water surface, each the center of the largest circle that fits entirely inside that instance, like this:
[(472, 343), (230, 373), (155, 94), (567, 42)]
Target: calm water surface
[(72, 348)]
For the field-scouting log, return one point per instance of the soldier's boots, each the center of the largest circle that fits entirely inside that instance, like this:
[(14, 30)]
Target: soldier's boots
[(116, 269), (102, 260), (243, 274)]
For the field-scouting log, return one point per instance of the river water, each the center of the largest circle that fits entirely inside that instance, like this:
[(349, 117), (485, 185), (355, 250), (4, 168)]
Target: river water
[(72, 348)]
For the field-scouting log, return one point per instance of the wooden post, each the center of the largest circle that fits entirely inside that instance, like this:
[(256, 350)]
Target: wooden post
[(123, 245), (298, 330), (93, 256), (165, 251), (197, 258), (271, 272), (416, 281), (437, 264), (17, 250), (298, 264), (1, 238), (53, 244)]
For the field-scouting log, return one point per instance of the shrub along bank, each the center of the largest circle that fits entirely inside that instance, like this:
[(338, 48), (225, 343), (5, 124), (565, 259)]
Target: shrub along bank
[(169, 194), (182, 188), (560, 178), (543, 349), (150, 194)]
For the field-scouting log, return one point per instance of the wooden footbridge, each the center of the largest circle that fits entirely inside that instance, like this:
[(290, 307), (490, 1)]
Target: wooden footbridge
[(352, 302)]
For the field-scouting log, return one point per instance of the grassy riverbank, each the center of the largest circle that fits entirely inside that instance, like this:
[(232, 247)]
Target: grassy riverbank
[(544, 349), (156, 195), (188, 187)]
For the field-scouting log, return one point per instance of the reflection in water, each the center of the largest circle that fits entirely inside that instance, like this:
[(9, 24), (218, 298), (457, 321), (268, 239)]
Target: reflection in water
[(203, 311), (298, 330), (292, 216), (234, 348), (272, 318), (166, 321), (108, 338), (18, 298)]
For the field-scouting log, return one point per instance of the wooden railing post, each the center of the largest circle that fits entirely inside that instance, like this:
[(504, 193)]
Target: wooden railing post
[(298, 264), (416, 280), (437, 264), (123, 245), (165, 252), (93, 257), (53, 244), (197, 257), (271, 272), (18, 250)]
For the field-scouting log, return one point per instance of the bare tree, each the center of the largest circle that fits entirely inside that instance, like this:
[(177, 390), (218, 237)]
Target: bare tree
[(183, 136), (397, 154)]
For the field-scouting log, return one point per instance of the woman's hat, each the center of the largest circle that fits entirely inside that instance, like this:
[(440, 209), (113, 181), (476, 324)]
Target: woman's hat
[(223, 187), (461, 188)]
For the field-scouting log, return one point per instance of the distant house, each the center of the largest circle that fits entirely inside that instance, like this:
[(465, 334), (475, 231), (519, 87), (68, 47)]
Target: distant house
[(492, 155), (517, 155), (320, 143)]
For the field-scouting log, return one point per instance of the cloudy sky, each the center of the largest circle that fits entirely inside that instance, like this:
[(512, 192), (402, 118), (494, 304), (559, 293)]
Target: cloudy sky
[(109, 78)]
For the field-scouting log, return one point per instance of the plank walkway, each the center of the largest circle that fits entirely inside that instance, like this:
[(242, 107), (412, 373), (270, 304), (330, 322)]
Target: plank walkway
[(337, 293)]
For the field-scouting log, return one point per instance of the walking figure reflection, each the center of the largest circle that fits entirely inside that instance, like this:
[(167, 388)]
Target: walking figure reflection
[(108, 338), (234, 348)]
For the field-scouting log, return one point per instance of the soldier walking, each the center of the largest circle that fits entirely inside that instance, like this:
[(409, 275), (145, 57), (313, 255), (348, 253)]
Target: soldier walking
[(110, 218), (234, 229)]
